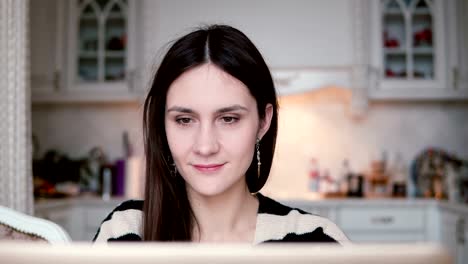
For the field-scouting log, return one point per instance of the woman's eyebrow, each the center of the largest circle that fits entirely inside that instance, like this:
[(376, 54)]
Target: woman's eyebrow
[(180, 109), (220, 111), (232, 108)]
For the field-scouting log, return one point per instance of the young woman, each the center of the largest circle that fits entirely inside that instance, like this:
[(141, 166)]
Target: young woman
[(210, 124)]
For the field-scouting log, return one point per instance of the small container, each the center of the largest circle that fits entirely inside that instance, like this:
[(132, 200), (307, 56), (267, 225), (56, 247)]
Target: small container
[(106, 184), (355, 185), (314, 176)]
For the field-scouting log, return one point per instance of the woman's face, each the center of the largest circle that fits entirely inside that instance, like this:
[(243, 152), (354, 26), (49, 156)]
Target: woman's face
[(211, 125)]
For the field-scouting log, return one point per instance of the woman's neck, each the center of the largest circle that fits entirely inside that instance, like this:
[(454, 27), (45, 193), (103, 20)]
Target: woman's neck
[(228, 217)]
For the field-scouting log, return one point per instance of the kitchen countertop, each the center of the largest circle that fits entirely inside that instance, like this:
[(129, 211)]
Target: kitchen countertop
[(46, 203), (374, 202), (298, 201)]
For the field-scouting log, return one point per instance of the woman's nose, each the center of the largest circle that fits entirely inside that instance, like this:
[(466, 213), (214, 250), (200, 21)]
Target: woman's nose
[(206, 142)]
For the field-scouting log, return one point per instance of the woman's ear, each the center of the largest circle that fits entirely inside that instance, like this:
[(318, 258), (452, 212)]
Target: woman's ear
[(266, 121)]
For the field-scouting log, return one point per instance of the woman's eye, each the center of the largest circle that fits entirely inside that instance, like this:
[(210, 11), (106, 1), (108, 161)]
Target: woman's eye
[(183, 120), (229, 119)]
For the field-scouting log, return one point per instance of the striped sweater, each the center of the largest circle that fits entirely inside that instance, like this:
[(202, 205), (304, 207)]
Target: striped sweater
[(275, 223)]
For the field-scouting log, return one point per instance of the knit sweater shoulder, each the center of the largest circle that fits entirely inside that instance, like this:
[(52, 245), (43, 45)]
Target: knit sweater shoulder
[(275, 223)]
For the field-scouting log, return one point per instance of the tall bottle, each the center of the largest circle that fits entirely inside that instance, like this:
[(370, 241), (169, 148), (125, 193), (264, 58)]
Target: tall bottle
[(345, 172), (106, 183), (399, 176), (314, 176)]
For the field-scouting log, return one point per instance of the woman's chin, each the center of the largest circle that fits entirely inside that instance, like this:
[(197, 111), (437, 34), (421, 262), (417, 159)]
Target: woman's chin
[(208, 192)]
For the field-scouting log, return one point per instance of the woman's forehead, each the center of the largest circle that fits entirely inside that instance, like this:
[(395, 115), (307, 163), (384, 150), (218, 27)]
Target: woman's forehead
[(208, 87)]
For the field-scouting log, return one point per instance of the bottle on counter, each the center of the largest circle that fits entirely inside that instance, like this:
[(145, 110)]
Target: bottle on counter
[(106, 183), (343, 177), (314, 176), (327, 182), (399, 177), (355, 185)]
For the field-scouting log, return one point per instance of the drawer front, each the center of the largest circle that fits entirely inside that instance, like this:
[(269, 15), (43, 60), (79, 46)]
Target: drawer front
[(60, 217), (324, 212), (386, 237), (94, 216), (381, 219)]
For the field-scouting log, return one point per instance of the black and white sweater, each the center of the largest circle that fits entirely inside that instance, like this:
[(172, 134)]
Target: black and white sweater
[(275, 223)]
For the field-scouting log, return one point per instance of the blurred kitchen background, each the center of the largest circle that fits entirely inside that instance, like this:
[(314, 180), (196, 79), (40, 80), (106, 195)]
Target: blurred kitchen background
[(373, 128), (360, 81)]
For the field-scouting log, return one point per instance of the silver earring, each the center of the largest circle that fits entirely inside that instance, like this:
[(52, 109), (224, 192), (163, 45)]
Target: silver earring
[(175, 169), (257, 145)]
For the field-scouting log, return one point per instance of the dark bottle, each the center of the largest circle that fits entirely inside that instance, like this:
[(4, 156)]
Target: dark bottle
[(355, 185)]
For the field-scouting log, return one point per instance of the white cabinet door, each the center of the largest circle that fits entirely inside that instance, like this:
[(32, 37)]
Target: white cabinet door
[(94, 215), (60, 216), (100, 41), (463, 255), (81, 218), (383, 224), (412, 47), (84, 51), (69, 218), (310, 207), (453, 235), (461, 46), (384, 237), (44, 27)]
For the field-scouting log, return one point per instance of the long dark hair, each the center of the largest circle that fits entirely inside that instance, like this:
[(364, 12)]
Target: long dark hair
[(168, 215)]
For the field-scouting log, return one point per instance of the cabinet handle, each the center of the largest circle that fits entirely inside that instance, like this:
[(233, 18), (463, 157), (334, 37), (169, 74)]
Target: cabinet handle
[(460, 231), (131, 80), (56, 80), (382, 220), (455, 76)]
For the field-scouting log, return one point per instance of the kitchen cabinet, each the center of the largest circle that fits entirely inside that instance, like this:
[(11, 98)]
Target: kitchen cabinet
[(396, 221), (45, 46), (453, 234), (63, 215), (87, 53), (80, 217), (383, 224), (374, 220), (462, 48), (325, 210), (415, 50), (362, 220)]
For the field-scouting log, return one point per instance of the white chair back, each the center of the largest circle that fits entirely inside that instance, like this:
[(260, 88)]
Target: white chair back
[(26, 224)]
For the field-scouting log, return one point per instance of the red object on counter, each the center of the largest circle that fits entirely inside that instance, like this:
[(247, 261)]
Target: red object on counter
[(313, 172)]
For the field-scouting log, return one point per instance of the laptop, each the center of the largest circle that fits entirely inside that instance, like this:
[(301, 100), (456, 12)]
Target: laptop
[(152, 252)]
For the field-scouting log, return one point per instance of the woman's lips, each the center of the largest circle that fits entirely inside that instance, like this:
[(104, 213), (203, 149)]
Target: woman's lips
[(208, 167)]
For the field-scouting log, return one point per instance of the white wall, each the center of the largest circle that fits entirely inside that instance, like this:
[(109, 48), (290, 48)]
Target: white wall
[(316, 129), (75, 129), (288, 33)]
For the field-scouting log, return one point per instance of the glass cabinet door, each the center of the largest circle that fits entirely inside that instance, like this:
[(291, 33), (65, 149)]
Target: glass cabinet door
[(408, 43), (101, 40)]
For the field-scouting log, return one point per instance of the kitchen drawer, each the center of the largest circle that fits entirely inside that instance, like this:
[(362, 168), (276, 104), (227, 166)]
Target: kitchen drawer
[(59, 217), (381, 219), (95, 215), (386, 237), (324, 212), (89, 233)]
